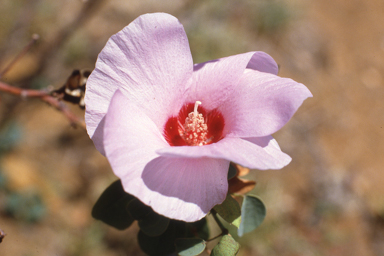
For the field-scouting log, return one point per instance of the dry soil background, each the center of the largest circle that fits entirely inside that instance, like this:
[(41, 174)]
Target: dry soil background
[(328, 201)]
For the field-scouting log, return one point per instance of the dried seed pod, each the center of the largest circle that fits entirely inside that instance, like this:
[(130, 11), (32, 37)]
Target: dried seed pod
[(74, 88)]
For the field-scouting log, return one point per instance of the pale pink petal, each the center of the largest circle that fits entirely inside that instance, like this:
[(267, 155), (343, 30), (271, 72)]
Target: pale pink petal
[(262, 104), (255, 153), (179, 188), (214, 81), (261, 61), (131, 137), (185, 188), (130, 145), (150, 62)]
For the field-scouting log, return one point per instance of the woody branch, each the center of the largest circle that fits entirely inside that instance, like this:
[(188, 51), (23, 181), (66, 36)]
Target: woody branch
[(46, 97)]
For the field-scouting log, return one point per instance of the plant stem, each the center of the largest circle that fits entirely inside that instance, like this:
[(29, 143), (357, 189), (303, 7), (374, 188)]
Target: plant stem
[(44, 96), (34, 38), (224, 231)]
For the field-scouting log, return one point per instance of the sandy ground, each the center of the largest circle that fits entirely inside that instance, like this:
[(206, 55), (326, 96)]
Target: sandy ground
[(328, 201)]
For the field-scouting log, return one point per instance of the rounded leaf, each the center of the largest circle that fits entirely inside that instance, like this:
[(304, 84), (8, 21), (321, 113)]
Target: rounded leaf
[(226, 247), (138, 210), (199, 228), (252, 214), (232, 171), (189, 246), (153, 224), (163, 244), (157, 245), (110, 208), (229, 210)]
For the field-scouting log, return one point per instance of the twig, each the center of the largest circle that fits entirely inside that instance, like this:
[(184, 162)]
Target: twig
[(25, 93), (46, 97), (224, 231), (35, 37), (89, 7), (46, 53), (75, 121)]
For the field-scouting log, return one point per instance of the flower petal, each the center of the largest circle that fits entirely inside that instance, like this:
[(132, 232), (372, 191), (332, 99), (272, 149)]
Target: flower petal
[(150, 62), (184, 188), (179, 188), (256, 153), (214, 81), (131, 137), (263, 62), (262, 104)]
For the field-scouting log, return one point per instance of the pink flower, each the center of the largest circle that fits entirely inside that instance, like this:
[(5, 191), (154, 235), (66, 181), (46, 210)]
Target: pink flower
[(170, 128)]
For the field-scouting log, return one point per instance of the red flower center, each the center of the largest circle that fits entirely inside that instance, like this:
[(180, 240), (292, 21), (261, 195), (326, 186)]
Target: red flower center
[(194, 126)]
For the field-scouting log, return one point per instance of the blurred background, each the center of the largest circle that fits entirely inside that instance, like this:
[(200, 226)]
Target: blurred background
[(328, 201)]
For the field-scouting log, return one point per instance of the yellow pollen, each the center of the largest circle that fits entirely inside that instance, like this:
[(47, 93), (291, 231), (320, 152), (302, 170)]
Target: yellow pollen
[(195, 130)]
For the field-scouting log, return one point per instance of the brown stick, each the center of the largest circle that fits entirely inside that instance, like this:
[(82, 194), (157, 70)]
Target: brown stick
[(35, 37), (21, 92), (44, 96), (89, 7)]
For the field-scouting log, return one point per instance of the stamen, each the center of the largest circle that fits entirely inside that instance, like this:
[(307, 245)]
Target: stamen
[(194, 126), (194, 130)]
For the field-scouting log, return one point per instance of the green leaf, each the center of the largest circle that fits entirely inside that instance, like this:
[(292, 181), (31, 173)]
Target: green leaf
[(229, 210), (252, 214), (157, 245), (153, 224), (189, 246), (237, 222), (163, 244), (110, 208), (231, 172), (198, 229), (226, 247), (138, 210)]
